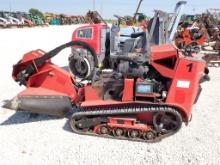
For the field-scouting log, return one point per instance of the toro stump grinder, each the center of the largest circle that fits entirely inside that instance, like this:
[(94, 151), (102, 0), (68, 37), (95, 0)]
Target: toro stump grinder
[(112, 90)]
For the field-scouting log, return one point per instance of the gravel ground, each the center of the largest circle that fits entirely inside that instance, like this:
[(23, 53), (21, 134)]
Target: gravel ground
[(25, 140)]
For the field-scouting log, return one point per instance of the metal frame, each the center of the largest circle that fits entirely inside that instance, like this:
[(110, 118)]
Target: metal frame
[(168, 23)]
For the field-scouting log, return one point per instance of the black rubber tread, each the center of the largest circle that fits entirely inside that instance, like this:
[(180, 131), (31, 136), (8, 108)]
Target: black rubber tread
[(127, 110)]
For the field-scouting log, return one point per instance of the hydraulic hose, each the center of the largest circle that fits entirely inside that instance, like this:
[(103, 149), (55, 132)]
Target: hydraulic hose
[(23, 75)]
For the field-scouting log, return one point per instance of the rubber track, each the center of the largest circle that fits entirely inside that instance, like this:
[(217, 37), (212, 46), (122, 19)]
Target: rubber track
[(127, 110)]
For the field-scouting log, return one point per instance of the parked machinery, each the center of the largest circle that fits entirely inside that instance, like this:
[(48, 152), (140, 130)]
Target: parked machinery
[(189, 36), (118, 93), (124, 94), (131, 20), (190, 19), (64, 20), (77, 19), (37, 21), (9, 20), (48, 17), (216, 14), (142, 97), (203, 36), (55, 20), (3, 21), (22, 17), (93, 17)]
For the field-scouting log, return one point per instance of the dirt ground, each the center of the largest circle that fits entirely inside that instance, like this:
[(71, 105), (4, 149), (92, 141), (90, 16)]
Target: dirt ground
[(25, 140)]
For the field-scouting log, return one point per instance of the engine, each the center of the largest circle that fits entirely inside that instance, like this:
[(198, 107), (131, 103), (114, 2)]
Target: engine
[(110, 85)]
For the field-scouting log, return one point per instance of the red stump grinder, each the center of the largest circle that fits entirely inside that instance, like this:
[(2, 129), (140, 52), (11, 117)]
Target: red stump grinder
[(117, 93)]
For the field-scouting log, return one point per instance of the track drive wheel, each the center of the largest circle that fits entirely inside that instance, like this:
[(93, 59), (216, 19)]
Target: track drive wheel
[(167, 122)]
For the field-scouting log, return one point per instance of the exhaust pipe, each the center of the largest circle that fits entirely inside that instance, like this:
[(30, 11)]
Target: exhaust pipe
[(49, 105)]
